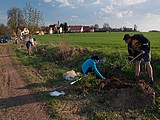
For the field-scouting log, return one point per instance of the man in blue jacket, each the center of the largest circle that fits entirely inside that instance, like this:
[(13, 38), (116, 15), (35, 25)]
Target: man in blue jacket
[(90, 65), (140, 44)]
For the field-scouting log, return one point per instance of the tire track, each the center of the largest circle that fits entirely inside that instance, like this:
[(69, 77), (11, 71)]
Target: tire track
[(17, 103)]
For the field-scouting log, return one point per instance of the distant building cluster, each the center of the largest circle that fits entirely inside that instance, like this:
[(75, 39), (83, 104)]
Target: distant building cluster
[(56, 28), (64, 28)]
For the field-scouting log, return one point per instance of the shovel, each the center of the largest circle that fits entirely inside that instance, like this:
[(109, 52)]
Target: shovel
[(75, 81), (118, 70)]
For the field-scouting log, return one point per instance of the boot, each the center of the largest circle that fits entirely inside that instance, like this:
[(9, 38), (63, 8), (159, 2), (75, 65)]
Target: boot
[(151, 83), (136, 78)]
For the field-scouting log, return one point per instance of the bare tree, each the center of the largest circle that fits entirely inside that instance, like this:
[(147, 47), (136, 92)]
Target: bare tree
[(15, 19), (33, 18), (106, 25), (135, 27), (96, 27)]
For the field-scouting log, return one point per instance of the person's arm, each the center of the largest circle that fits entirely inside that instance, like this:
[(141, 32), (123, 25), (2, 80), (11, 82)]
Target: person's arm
[(130, 52), (32, 42), (96, 71)]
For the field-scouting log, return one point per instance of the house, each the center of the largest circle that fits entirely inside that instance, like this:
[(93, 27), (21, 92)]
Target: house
[(80, 29), (75, 29), (55, 28), (39, 32), (88, 29)]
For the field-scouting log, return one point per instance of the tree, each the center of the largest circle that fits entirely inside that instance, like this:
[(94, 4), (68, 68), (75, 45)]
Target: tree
[(62, 26), (135, 27), (96, 27), (65, 27), (15, 19), (106, 27), (33, 18)]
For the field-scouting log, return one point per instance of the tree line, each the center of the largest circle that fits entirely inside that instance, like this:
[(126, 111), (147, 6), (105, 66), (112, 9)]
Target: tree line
[(28, 17)]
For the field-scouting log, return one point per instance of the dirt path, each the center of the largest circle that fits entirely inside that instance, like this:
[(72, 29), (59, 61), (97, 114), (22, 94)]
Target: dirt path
[(17, 102)]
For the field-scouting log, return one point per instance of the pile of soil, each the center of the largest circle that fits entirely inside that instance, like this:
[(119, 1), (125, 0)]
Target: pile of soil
[(122, 95)]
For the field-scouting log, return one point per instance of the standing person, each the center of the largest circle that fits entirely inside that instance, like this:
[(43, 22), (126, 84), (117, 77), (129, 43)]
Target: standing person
[(30, 43), (140, 44), (90, 65)]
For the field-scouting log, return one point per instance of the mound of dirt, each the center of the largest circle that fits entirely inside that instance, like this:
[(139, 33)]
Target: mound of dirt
[(123, 95)]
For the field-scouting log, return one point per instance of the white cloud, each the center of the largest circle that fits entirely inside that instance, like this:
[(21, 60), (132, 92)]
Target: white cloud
[(97, 2), (80, 1), (72, 3), (112, 11), (132, 2), (47, 1), (126, 2), (127, 23), (39, 4), (74, 18), (152, 16), (64, 2)]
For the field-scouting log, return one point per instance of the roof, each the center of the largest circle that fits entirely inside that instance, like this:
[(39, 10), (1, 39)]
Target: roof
[(75, 27), (54, 25)]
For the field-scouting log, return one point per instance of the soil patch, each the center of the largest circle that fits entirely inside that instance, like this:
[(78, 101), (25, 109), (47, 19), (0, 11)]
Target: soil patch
[(122, 95), (16, 103)]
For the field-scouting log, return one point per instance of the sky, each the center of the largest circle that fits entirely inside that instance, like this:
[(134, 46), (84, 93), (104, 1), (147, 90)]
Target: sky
[(145, 14)]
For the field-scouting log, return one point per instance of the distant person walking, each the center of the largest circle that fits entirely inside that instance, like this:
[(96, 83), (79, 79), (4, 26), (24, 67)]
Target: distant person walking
[(89, 66), (30, 43), (140, 44)]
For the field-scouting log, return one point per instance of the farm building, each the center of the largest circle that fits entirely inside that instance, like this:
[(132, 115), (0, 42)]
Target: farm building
[(55, 28), (80, 29)]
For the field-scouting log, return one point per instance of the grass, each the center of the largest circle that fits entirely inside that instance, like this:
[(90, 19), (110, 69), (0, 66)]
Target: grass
[(61, 56), (109, 43)]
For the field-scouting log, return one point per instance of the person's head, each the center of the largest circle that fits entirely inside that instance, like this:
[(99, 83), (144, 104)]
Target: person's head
[(95, 58), (127, 38), (30, 36)]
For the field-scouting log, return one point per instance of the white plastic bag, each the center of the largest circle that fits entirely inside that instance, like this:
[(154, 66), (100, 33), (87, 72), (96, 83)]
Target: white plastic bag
[(70, 75), (56, 93)]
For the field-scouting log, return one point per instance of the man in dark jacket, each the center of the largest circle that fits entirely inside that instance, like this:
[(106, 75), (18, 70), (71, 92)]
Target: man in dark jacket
[(140, 44)]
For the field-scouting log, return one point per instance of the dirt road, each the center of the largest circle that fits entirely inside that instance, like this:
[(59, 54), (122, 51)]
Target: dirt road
[(16, 101)]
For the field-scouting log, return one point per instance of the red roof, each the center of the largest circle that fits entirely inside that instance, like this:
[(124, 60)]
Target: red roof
[(57, 25), (75, 27)]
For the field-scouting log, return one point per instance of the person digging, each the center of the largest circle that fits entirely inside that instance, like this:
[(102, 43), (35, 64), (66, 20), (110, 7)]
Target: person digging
[(140, 44), (30, 43), (89, 66)]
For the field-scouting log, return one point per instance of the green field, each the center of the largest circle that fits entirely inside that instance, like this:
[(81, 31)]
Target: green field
[(60, 56), (108, 41)]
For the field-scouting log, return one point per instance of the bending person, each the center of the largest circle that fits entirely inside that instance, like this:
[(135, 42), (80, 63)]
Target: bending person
[(89, 66)]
